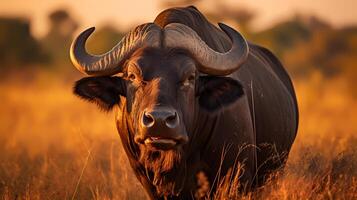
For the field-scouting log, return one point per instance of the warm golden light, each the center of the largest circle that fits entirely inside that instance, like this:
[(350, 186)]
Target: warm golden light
[(55, 146), (124, 14)]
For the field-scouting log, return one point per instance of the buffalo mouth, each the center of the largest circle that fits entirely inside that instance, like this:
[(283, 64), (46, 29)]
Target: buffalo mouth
[(161, 143)]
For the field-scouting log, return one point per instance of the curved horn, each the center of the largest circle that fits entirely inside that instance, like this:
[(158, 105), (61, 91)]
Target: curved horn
[(109, 63), (211, 61)]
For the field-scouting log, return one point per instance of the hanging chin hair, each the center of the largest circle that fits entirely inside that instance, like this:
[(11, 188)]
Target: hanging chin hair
[(167, 169)]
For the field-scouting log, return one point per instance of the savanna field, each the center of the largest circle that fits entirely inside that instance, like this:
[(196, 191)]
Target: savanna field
[(55, 146)]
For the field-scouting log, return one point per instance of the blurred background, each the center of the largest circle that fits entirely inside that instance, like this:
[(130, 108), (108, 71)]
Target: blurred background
[(54, 146)]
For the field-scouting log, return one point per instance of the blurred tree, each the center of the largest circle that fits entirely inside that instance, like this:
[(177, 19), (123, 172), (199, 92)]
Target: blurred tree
[(322, 51), (58, 40), (104, 39), (238, 17), (348, 59), (17, 46), (283, 36)]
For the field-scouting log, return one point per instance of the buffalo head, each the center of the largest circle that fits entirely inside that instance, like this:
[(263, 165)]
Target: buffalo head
[(161, 77)]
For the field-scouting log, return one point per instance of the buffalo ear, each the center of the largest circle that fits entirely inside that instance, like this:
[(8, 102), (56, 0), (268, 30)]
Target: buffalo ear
[(104, 91), (217, 92)]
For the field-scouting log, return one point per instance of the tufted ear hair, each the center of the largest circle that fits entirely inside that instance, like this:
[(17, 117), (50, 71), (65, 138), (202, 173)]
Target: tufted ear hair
[(217, 92), (105, 91)]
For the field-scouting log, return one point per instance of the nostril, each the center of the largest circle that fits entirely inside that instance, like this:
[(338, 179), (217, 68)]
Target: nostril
[(172, 120), (148, 120)]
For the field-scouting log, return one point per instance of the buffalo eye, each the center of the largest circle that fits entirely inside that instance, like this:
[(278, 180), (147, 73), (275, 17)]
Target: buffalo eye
[(132, 77), (188, 81), (191, 77)]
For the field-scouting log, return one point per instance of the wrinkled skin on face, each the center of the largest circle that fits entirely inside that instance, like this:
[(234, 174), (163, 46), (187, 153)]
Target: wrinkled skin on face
[(161, 85), (159, 94), (162, 81)]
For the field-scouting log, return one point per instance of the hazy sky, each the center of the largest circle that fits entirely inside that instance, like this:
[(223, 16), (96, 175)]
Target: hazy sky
[(126, 13)]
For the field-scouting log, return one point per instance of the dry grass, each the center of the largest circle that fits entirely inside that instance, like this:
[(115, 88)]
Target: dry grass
[(54, 146)]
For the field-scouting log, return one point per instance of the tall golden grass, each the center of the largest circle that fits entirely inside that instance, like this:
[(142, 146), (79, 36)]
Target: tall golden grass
[(54, 146)]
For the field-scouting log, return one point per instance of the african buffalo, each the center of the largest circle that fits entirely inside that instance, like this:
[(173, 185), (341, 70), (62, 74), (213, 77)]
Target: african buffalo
[(188, 96)]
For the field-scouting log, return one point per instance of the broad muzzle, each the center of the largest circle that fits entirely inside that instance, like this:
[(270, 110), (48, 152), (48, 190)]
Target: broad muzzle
[(161, 128)]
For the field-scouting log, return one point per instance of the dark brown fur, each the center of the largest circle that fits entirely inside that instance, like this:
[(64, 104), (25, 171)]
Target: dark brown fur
[(253, 106)]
